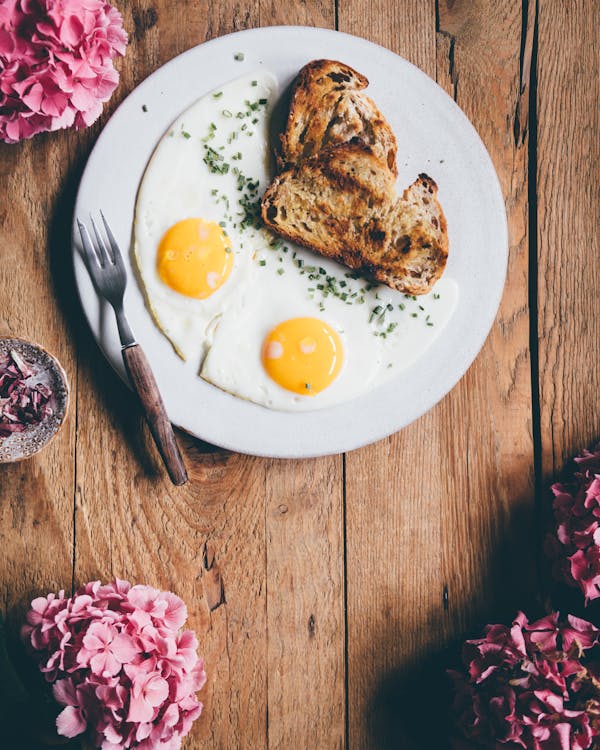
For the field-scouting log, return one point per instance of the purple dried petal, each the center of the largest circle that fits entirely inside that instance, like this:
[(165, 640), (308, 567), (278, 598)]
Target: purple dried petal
[(24, 368), (43, 390)]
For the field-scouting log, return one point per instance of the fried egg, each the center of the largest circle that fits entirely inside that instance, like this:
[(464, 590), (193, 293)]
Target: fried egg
[(261, 318), (194, 238)]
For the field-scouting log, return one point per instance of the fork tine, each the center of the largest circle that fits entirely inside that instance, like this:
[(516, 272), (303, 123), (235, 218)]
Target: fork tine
[(91, 256), (116, 252), (101, 247)]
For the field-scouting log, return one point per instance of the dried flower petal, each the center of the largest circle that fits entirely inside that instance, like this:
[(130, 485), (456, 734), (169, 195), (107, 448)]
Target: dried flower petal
[(21, 402)]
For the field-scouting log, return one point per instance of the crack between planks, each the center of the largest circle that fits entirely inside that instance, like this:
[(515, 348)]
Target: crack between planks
[(523, 112), (526, 128), (266, 529), (452, 71), (345, 595), (74, 554)]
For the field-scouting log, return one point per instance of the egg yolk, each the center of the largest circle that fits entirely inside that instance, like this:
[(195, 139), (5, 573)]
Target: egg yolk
[(194, 258), (303, 355)]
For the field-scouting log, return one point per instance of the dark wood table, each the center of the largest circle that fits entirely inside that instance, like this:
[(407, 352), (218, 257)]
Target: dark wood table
[(322, 589)]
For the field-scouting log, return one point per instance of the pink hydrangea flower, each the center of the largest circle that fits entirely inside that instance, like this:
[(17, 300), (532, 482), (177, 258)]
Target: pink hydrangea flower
[(576, 546), (531, 685), (120, 665), (56, 63)]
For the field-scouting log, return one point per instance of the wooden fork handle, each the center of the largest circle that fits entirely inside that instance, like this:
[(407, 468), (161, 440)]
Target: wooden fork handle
[(144, 384)]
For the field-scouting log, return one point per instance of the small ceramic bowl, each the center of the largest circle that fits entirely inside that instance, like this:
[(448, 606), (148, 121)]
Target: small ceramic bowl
[(49, 371)]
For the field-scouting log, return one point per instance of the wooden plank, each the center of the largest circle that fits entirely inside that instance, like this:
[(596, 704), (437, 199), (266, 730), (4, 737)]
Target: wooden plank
[(437, 516), (568, 175), (36, 496), (264, 586), (305, 604)]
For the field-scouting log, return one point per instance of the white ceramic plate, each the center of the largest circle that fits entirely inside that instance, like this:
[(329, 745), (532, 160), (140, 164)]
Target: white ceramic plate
[(434, 136)]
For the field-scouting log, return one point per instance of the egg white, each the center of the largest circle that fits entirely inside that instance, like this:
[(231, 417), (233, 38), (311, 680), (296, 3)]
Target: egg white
[(382, 331), (233, 362)]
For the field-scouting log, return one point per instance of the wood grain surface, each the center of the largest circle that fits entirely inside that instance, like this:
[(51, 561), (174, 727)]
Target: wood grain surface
[(329, 595)]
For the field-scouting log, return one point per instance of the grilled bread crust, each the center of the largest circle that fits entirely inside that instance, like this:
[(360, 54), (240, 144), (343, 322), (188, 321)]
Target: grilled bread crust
[(328, 107), (341, 202)]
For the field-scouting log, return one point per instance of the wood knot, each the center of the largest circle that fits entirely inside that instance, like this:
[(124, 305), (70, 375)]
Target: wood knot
[(311, 626), (143, 20), (214, 590)]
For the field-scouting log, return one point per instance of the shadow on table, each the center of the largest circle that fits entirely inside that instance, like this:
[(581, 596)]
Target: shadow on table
[(27, 708), (410, 708)]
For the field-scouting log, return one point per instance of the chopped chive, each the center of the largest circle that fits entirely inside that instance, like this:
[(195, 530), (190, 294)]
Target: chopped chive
[(185, 134), (262, 262), (239, 56), (280, 271), (144, 108), (217, 94), (255, 83), (227, 113)]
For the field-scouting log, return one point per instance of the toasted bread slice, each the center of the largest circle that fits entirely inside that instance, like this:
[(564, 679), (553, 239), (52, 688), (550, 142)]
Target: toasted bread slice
[(328, 107), (342, 203)]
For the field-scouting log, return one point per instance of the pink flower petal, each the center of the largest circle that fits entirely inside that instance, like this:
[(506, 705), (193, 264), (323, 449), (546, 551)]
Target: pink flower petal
[(140, 710), (156, 690), (65, 693), (70, 722)]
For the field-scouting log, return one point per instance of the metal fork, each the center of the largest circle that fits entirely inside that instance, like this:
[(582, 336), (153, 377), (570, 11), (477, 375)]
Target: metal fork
[(107, 270)]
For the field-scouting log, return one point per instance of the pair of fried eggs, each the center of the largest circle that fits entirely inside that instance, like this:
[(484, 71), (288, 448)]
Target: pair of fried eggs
[(266, 321)]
